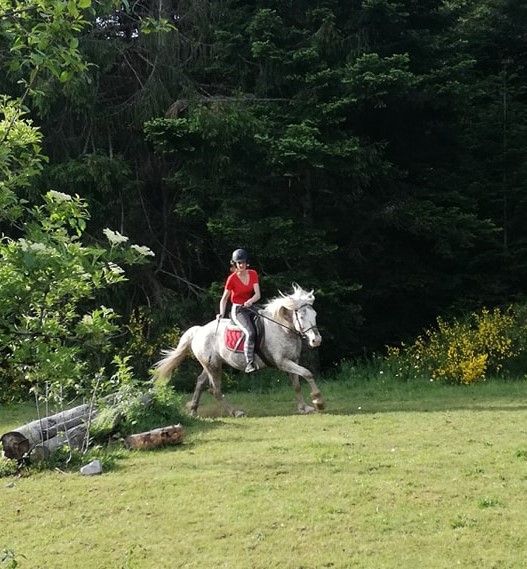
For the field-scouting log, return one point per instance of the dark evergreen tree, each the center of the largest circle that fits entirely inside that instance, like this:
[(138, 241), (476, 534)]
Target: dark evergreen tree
[(370, 149)]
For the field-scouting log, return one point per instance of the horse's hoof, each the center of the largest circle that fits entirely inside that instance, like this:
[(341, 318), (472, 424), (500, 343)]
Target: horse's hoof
[(306, 409), (239, 414), (319, 404)]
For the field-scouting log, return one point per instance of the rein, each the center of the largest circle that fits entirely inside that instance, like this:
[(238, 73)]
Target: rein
[(302, 334)]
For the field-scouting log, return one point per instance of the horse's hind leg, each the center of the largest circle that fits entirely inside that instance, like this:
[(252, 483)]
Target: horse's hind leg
[(201, 384), (302, 406), (233, 412), (213, 376)]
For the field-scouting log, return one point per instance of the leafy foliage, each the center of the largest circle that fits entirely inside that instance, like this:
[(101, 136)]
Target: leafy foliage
[(48, 331), (10, 558), (165, 408), (371, 150), (52, 331), (130, 409), (464, 351)]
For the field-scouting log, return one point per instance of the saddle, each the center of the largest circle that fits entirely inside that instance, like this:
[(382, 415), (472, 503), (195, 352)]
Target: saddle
[(235, 339)]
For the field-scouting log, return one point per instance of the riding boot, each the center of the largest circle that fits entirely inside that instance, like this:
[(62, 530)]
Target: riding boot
[(249, 355)]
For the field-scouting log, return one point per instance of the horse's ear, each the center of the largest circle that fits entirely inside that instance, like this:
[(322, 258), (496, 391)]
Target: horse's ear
[(299, 292)]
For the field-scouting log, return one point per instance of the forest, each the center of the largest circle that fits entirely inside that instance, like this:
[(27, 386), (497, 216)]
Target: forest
[(370, 150)]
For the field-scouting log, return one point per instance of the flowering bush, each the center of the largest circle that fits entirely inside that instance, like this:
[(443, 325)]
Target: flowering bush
[(464, 350), (50, 324)]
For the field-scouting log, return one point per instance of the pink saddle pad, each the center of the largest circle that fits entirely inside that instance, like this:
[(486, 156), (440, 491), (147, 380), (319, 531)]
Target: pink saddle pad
[(234, 339)]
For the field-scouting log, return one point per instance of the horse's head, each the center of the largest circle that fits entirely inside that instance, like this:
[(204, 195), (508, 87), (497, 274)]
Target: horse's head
[(300, 312), (305, 316), (305, 323)]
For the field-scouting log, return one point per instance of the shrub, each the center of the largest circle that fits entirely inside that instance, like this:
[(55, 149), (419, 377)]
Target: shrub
[(464, 350), (163, 408), (145, 340), (133, 409)]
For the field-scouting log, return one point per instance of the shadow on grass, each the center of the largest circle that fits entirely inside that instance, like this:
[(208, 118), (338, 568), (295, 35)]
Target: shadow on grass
[(391, 397), (371, 397)]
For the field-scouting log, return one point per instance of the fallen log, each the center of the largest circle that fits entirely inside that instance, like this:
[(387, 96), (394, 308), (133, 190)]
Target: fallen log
[(172, 435), (65, 426), (74, 438), (39, 438)]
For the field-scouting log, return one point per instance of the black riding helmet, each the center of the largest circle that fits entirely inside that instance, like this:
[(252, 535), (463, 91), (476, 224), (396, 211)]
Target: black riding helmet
[(239, 255)]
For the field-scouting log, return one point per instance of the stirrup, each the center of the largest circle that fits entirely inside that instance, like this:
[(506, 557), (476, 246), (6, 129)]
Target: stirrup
[(251, 367)]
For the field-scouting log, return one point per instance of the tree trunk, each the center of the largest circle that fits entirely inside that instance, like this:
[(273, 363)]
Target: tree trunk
[(63, 428), (40, 438), (163, 436), (74, 438)]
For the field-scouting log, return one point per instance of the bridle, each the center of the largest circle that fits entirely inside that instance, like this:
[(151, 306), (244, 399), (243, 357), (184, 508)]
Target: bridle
[(301, 332)]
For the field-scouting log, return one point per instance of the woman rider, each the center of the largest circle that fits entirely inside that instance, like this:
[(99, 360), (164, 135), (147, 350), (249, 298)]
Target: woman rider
[(243, 290)]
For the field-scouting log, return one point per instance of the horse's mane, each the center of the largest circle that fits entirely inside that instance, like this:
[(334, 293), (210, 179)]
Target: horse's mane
[(291, 302)]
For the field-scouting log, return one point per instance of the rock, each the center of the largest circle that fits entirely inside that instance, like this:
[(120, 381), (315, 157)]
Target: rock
[(92, 468)]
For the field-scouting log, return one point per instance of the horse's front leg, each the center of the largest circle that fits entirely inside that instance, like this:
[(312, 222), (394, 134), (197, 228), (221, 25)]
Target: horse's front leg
[(302, 406), (293, 368)]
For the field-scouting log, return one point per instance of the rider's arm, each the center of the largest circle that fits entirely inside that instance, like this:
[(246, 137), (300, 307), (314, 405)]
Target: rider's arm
[(223, 303), (255, 297)]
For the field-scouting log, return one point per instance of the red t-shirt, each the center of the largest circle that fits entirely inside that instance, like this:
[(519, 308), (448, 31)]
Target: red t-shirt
[(241, 292)]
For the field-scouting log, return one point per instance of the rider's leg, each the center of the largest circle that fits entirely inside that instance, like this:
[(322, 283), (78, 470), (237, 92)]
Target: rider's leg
[(242, 317)]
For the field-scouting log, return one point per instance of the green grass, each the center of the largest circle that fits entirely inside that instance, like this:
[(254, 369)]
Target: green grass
[(391, 475)]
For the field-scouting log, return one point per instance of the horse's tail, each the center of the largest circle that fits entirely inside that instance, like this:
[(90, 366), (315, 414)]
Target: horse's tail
[(173, 358)]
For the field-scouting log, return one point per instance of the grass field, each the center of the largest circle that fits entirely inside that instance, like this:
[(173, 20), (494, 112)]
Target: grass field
[(390, 476)]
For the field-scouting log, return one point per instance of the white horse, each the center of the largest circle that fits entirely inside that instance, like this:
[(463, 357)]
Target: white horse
[(286, 320)]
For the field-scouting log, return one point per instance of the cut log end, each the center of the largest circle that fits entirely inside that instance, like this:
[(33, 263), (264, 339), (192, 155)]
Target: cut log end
[(15, 445)]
